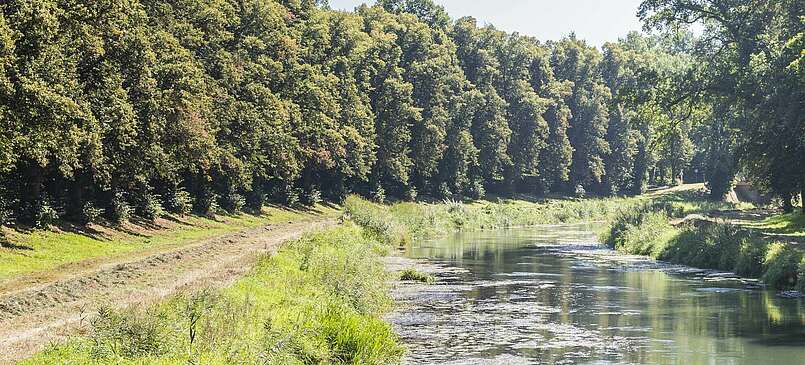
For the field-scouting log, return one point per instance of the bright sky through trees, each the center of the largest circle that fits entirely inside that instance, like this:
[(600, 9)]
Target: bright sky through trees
[(597, 21)]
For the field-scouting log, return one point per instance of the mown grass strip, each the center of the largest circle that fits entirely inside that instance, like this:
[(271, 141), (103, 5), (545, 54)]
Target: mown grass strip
[(42, 250), (318, 300)]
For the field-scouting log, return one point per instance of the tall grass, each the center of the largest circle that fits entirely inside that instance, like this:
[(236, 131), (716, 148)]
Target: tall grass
[(401, 222), (319, 300), (646, 230)]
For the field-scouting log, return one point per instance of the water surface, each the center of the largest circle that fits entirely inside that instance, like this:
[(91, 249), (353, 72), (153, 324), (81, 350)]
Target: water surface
[(552, 295)]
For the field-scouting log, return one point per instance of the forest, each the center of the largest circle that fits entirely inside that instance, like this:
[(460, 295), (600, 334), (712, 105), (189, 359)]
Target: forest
[(117, 108)]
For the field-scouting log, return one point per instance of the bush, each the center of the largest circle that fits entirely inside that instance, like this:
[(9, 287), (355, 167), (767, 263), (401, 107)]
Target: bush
[(411, 194), (579, 191), (255, 200), (477, 190), (126, 335), (444, 191), (782, 264), (412, 274), (45, 215), (179, 201), (120, 209), (91, 213), (293, 196), (149, 207), (312, 197), (233, 202), (379, 195), (207, 203)]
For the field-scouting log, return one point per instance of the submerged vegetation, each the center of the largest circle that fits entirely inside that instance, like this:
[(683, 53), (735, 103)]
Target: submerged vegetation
[(318, 300)]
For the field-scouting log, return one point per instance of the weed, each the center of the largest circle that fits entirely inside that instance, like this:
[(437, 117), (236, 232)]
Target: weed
[(412, 274)]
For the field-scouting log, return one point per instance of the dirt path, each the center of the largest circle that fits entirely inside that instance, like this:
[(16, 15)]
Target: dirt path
[(31, 318)]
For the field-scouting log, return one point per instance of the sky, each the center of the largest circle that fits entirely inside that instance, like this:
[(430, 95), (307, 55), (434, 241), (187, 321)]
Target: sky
[(597, 21)]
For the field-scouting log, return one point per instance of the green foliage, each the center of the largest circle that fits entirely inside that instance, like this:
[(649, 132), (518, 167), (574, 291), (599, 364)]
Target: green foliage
[(120, 210), (319, 300), (201, 104), (178, 201), (781, 264), (91, 213), (412, 274), (645, 230), (376, 220)]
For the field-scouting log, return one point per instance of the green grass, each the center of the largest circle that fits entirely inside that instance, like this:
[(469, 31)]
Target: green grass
[(407, 221), (646, 231), (42, 250), (411, 274), (319, 300), (792, 224)]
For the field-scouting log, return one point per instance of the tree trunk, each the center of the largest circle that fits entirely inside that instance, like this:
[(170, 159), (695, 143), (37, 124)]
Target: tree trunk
[(788, 204), (802, 199)]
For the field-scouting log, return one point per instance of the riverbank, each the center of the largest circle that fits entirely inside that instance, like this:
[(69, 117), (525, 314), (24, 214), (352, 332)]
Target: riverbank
[(409, 221), (318, 300), (767, 249)]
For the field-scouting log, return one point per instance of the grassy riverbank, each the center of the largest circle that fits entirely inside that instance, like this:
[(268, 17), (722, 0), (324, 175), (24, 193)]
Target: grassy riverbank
[(318, 300), (749, 250), (32, 251), (407, 221)]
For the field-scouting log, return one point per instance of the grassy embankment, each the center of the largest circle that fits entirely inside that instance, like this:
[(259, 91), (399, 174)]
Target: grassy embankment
[(318, 300), (637, 225), (38, 251), (762, 249), (407, 221)]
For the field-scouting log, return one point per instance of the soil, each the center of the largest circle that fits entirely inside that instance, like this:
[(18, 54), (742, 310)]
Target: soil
[(47, 312)]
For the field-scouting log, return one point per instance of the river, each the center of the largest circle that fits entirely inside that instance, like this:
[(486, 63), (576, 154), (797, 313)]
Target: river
[(553, 295)]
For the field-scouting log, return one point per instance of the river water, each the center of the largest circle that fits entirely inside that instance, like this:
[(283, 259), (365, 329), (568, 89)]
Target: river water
[(553, 295)]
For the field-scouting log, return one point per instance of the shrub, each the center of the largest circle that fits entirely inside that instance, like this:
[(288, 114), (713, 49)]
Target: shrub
[(293, 196), (45, 214), (312, 197), (444, 191), (379, 195), (412, 274), (579, 191), (149, 207), (477, 190), (207, 203), (233, 202), (782, 264), (120, 209), (178, 201), (411, 194), (255, 200), (91, 213), (126, 335)]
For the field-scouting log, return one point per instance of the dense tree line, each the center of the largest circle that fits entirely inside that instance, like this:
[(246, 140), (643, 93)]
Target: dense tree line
[(121, 107)]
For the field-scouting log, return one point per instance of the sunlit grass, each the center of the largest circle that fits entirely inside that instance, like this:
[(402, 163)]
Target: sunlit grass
[(792, 224), (42, 250), (319, 300)]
